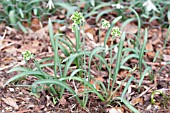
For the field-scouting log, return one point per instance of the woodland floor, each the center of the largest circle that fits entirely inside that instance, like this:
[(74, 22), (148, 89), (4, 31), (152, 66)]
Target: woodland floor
[(19, 99)]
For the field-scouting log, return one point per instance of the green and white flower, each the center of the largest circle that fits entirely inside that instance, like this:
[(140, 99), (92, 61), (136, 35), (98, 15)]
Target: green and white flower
[(73, 27), (105, 24), (116, 31), (27, 55), (150, 6), (78, 18)]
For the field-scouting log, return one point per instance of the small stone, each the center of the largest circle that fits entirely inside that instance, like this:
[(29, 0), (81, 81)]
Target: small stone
[(11, 89), (63, 28), (20, 93)]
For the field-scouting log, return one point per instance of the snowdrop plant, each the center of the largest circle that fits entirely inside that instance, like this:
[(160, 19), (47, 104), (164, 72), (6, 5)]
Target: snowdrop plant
[(116, 32), (104, 24), (78, 21), (59, 83)]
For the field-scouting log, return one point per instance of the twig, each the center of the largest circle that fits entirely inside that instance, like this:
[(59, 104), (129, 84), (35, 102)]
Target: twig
[(151, 63)]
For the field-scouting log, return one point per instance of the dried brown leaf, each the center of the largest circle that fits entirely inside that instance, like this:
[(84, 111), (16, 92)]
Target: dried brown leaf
[(136, 101), (166, 57), (62, 101), (131, 28), (10, 101)]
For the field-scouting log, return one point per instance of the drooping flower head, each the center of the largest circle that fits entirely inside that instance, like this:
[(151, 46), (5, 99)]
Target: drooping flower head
[(78, 18), (73, 27), (105, 24), (27, 55), (116, 31), (150, 6)]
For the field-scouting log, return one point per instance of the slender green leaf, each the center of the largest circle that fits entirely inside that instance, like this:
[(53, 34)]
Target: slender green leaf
[(71, 58), (67, 43), (168, 15), (12, 17), (102, 13), (92, 2), (70, 9), (63, 49), (143, 75), (21, 13), (139, 21), (75, 72), (57, 82), (129, 57), (156, 56), (40, 70), (26, 73), (142, 51), (22, 27), (91, 14), (129, 105), (127, 22), (154, 18), (18, 69), (101, 5), (119, 55), (50, 27), (127, 86), (85, 82)]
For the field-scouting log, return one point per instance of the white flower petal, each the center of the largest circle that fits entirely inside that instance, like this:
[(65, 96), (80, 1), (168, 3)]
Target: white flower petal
[(118, 6), (50, 4), (116, 49), (149, 8), (144, 4)]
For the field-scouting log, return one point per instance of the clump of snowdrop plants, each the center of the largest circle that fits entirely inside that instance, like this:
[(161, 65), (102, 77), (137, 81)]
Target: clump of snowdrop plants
[(77, 65)]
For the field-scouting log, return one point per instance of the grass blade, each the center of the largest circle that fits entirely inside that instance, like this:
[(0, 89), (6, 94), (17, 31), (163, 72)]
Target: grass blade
[(56, 82), (70, 9), (18, 69), (40, 70), (142, 51), (102, 13), (12, 18), (127, 86), (16, 77), (119, 55), (129, 105), (143, 75), (139, 21), (22, 27), (85, 82), (129, 57), (54, 46)]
